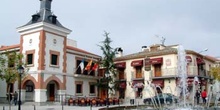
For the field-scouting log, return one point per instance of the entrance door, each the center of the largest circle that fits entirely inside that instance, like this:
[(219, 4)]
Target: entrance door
[(103, 94), (51, 92)]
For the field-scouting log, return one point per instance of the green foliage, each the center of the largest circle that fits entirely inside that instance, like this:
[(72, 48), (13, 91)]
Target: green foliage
[(215, 71), (9, 62), (107, 62)]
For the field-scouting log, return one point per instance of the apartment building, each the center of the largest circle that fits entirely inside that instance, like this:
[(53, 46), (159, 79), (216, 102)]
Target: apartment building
[(156, 65)]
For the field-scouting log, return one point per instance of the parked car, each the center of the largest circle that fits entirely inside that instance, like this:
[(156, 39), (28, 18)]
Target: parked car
[(160, 98)]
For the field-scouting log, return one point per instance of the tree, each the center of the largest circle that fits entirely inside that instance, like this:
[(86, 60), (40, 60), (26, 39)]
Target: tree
[(9, 62), (108, 81), (215, 72)]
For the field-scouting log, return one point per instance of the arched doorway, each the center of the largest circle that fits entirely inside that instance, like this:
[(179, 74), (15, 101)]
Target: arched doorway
[(29, 90), (52, 88)]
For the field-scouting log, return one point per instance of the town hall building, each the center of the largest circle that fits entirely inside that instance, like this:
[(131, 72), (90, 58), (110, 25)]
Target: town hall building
[(52, 60)]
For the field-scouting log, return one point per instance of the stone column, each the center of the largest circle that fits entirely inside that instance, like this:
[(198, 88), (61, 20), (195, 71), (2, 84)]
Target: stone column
[(40, 95), (23, 94)]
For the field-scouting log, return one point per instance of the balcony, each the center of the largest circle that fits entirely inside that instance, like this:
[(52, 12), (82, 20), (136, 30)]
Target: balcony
[(192, 71), (121, 76), (137, 76), (86, 76)]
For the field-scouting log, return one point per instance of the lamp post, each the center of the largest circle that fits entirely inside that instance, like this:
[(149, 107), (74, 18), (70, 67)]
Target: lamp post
[(20, 72)]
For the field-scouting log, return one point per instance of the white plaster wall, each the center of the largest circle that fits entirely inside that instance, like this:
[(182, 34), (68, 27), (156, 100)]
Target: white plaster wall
[(70, 85), (170, 86), (86, 87), (3, 87), (55, 47), (32, 46), (130, 92), (46, 76), (70, 81), (71, 64)]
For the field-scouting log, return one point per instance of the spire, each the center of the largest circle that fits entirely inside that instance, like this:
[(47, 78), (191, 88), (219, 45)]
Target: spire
[(45, 15), (45, 4)]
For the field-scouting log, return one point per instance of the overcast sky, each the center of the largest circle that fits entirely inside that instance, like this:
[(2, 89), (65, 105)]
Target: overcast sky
[(195, 24)]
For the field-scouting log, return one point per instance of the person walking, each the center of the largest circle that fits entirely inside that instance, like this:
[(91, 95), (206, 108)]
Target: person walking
[(197, 96), (204, 95), (15, 98)]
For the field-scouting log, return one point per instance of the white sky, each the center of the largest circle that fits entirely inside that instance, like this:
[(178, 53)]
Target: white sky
[(195, 24)]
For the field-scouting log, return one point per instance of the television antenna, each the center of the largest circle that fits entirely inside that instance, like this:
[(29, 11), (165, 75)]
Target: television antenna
[(162, 39)]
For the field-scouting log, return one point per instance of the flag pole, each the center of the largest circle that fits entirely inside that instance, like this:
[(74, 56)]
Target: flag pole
[(90, 71), (76, 69)]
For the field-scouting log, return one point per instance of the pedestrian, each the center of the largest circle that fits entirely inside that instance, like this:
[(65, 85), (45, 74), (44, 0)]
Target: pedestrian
[(15, 98), (197, 96), (204, 95)]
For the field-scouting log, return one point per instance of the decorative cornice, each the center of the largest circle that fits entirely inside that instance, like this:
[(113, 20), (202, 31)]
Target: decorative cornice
[(43, 26)]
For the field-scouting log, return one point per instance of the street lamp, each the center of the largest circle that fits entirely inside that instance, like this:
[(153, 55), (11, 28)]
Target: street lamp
[(20, 72)]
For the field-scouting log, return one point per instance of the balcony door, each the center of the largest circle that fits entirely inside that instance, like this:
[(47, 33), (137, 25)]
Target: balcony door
[(138, 72), (157, 70)]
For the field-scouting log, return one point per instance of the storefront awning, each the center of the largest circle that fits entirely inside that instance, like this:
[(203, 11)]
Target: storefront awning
[(120, 65), (200, 60), (137, 63), (158, 82), (137, 84), (156, 61), (188, 59)]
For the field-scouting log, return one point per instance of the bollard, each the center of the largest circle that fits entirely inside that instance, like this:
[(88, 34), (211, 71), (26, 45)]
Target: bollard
[(3, 107), (90, 106), (34, 107)]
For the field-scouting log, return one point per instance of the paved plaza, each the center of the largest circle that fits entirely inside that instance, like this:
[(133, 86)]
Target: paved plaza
[(49, 107)]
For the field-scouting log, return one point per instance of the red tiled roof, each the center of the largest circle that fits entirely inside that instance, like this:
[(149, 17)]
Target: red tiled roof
[(80, 50), (9, 47)]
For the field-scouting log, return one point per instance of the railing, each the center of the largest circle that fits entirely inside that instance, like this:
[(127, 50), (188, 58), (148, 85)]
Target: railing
[(191, 71), (63, 97), (86, 76), (137, 75)]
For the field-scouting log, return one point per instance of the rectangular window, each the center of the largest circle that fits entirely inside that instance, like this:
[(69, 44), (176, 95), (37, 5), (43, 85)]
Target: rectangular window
[(138, 72), (157, 70), (54, 59), (29, 59), (92, 89), (78, 88)]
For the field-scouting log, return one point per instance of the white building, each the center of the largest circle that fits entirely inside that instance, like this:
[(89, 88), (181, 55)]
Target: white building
[(53, 60), (157, 64)]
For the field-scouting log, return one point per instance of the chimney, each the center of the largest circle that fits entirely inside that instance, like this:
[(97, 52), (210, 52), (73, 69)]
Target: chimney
[(119, 52), (54, 19), (45, 4), (143, 48)]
